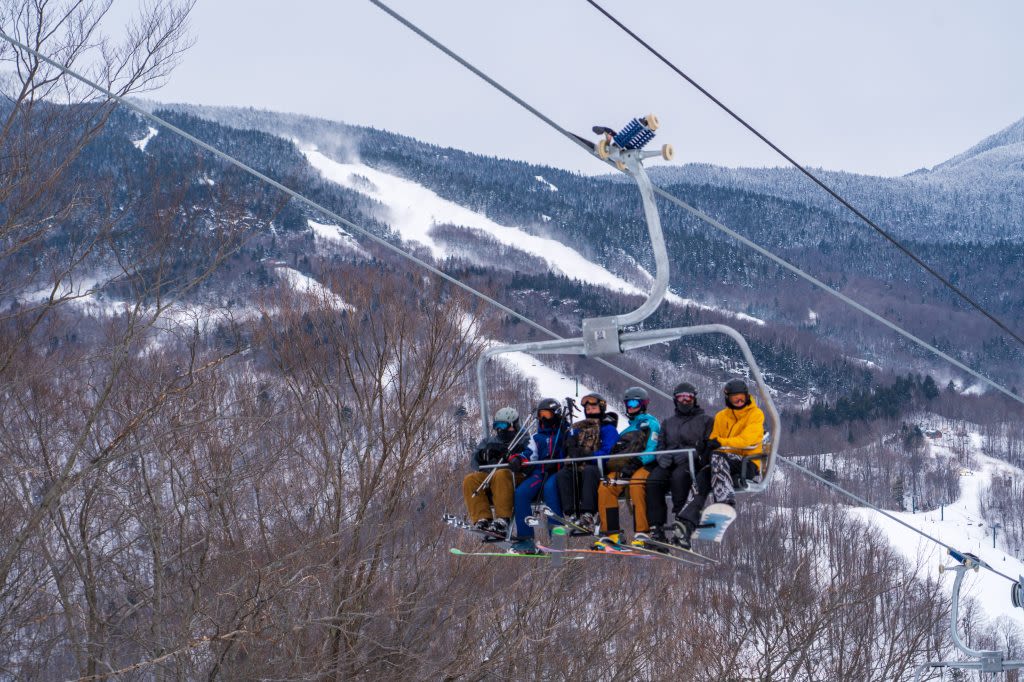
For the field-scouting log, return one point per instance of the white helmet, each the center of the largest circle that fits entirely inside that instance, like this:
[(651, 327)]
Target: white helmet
[(507, 414)]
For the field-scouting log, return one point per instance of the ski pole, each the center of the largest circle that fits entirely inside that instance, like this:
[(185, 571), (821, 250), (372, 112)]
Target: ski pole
[(524, 429)]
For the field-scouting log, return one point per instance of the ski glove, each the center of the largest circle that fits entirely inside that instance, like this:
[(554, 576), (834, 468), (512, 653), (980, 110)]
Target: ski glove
[(711, 444), (515, 465)]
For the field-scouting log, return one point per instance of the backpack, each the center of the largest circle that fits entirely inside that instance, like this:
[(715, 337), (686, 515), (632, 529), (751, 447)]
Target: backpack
[(587, 438)]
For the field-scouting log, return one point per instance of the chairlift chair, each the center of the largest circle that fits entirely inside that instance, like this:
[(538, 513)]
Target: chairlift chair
[(606, 336)]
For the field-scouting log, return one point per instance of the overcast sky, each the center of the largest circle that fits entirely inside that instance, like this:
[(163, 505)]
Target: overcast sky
[(872, 86)]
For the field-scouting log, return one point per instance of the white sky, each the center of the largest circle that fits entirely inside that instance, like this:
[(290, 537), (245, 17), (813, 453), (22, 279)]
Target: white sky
[(872, 86)]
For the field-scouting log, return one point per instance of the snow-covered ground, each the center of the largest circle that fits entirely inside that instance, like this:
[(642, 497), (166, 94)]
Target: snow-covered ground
[(540, 179), (141, 144), (307, 285), (413, 210), (335, 235), (961, 526)]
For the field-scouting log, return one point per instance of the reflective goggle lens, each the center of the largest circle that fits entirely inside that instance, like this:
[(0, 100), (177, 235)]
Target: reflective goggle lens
[(633, 402), (681, 397), (587, 402), (545, 414), (501, 426)]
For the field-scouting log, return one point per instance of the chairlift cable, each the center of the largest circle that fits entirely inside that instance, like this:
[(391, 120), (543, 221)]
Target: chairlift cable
[(696, 212), (309, 202), (814, 178)]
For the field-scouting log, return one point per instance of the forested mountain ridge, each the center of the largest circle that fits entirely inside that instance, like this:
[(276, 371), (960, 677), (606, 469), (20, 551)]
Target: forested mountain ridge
[(601, 218)]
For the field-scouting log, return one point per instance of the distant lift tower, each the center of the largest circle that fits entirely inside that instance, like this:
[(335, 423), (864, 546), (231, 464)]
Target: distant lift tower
[(980, 660)]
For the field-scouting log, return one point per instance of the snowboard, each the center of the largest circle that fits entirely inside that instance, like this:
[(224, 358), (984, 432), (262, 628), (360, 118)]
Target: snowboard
[(714, 521)]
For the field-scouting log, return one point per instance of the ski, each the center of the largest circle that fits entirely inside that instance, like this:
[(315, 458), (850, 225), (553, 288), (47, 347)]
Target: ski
[(605, 552), (459, 552), (669, 546), (485, 535), (653, 552)]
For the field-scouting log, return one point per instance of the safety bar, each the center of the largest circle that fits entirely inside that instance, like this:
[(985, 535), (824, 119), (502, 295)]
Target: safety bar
[(591, 458)]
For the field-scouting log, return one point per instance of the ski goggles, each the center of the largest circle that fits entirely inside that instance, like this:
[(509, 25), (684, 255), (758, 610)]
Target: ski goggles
[(685, 397), (587, 402), (501, 426), (545, 414), (633, 403)]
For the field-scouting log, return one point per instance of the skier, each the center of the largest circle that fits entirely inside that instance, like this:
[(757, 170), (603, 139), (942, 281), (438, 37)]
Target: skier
[(688, 427), (641, 436), (505, 445), (548, 443), (738, 432), (595, 434)]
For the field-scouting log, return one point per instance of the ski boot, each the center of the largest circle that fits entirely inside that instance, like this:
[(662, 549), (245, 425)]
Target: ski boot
[(606, 542), (500, 526), (483, 525), (587, 522), (644, 540)]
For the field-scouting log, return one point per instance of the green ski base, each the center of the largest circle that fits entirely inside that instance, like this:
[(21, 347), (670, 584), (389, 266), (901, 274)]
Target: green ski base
[(459, 552)]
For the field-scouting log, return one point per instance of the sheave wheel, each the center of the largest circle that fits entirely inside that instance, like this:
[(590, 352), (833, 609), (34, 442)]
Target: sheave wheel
[(620, 165), (667, 152), (602, 148), (652, 122)]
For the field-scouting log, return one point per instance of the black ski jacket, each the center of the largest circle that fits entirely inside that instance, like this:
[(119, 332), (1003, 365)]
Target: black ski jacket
[(687, 428), (494, 450)]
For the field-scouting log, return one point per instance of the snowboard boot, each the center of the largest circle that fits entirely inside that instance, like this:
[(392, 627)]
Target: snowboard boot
[(683, 529)]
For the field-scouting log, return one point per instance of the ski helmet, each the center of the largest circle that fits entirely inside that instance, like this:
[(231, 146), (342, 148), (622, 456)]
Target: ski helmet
[(508, 416), (685, 388), (638, 395), (591, 398), (553, 407), (734, 387)]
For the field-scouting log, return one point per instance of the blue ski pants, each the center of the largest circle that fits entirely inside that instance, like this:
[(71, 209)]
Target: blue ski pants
[(527, 492)]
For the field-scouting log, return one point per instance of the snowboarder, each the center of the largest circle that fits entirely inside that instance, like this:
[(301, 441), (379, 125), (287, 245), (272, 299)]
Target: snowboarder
[(738, 432), (688, 427), (506, 444), (595, 434), (641, 436), (548, 443)]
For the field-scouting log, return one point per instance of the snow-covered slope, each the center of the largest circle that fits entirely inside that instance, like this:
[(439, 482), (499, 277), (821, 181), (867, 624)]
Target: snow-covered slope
[(962, 526), (413, 210)]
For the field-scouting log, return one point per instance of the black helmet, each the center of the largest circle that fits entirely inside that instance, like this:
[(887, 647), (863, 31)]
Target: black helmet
[(553, 406), (733, 387), (636, 393), (590, 397), (684, 387)]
